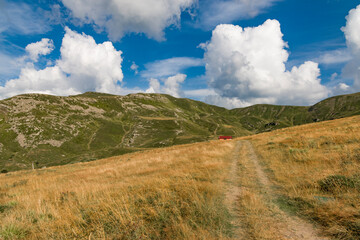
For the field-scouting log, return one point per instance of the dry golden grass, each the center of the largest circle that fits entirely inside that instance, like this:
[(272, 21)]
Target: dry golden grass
[(172, 193), (311, 171), (316, 169)]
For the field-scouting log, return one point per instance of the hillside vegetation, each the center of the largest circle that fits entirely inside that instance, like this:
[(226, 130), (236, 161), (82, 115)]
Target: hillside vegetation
[(295, 183), (43, 130), (48, 130)]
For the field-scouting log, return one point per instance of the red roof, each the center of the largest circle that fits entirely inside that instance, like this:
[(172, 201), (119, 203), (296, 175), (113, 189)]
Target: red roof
[(225, 137)]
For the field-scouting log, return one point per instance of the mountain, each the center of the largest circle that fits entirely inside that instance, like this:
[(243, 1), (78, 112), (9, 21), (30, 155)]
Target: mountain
[(263, 117), (44, 130), (336, 107)]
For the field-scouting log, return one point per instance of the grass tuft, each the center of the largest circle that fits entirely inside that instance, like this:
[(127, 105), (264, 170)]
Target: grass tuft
[(11, 231)]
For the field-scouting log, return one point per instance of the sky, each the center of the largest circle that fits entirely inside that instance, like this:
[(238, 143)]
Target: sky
[(230, 53)]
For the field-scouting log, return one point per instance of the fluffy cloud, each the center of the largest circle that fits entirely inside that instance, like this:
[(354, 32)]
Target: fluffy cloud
[(171, 66), (171, 85), (119, 17), (154, 86), (352, 25), (83, 66), (91, 66), (43, 47), (352, 35), (247, 66), (214, 12)]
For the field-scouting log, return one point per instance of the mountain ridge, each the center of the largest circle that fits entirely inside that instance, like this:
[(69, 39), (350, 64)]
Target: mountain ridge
[(47, 130)]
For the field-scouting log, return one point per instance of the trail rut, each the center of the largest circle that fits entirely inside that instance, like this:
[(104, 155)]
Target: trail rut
[(233, 193), (289, 227)]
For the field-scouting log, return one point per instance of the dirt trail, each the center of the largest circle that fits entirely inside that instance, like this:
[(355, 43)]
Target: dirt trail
[(291, 227), (233, 193)]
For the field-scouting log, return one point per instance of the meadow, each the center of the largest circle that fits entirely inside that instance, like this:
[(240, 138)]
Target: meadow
[(296, 183), (314, 171), (170, 193)]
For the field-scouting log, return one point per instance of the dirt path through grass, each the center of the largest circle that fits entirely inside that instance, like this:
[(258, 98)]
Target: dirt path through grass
[(233, 194), (289, 227)]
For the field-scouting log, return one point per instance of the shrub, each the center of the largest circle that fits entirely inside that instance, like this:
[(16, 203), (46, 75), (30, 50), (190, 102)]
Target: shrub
[(337, 182)]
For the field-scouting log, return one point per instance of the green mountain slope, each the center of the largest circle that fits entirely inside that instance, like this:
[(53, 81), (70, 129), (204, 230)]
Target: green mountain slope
[(336, 107), (260, 118), (49, 130)]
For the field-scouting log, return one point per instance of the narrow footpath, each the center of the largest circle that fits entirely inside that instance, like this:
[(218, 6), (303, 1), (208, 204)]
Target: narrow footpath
[(243, 193)]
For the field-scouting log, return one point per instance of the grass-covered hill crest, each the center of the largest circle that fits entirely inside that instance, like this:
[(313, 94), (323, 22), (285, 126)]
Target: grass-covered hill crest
[(44, 130)]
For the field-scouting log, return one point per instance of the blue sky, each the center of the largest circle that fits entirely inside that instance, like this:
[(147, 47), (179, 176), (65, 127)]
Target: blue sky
[(307, 51)]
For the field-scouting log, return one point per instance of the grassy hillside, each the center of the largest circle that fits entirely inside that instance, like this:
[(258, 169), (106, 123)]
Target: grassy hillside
[(337, 107), (169, 193), (260, 118), (314, 171), (295, 183), (47, 130), (263, 117)]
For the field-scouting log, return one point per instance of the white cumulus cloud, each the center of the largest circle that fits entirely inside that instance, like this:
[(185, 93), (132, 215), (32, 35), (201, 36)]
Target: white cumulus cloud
[(352, 35), (43, 47), (171, 85), (154, 86), (352, 25), (119, 17), (83, 66), (247, 66)]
